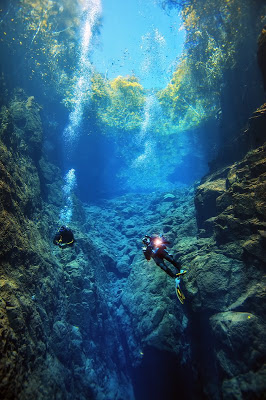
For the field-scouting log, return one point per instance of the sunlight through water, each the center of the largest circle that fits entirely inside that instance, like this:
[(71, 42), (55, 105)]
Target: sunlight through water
[(145, 168), (139, 38), (91, 11)]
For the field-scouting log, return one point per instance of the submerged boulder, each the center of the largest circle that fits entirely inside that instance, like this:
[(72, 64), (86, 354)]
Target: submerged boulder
[(240, 339), (168, 197)]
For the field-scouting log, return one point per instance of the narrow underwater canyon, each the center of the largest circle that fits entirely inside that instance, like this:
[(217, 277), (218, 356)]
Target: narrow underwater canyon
[(96, 321), (87, 322)]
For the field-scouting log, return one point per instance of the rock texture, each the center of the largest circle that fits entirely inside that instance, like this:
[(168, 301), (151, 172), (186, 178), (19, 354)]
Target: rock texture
[(100, 322), (97, 321), (251, 137), (231, 215), (217, 338), (56, 334), (154, 328)]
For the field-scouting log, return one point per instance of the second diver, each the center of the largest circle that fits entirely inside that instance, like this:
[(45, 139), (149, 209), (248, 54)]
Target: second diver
[(155, 247)]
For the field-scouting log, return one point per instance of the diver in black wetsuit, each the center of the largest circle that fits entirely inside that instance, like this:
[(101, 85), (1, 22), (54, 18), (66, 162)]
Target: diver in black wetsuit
[(64, 237), (156, 249)]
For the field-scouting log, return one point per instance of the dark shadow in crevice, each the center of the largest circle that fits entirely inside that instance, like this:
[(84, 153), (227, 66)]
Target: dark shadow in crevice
[(161, 376)]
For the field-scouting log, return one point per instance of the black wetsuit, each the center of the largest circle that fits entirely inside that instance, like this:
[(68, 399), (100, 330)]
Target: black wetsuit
[(159, 254), (64, 237)]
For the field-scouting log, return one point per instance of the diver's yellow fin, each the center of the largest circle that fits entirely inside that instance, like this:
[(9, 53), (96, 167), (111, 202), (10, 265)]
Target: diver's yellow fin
[(181, 273), (180, 295)]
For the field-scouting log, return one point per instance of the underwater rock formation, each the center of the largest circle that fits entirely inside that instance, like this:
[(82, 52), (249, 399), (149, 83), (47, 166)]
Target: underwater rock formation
[(97, 321), (251, 137), (229, 279), (231, 202), (153, 327), (24, 328), (29, 289), (55, 328), (217, 338)]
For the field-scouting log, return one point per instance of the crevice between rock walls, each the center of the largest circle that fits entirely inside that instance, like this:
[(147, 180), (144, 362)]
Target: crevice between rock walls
[(99, 322), (154, 328), (219, 334)]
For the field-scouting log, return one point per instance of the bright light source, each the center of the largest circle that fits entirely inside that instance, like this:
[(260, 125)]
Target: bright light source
[(158, 242)]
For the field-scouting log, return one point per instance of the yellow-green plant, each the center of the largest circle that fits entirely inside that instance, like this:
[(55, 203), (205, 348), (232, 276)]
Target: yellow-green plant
[(119, 102), (183, 108), (216, 31), (44, 34), (100, 93)]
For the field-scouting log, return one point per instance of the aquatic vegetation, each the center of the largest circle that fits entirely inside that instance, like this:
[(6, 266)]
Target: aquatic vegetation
[(182, 106), (46, 35), (216, 33), (119, 102), (193, 95), (99, 93)]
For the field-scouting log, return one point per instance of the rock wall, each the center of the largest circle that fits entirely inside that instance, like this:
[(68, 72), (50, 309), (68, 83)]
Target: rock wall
[(228, 281), (25, 262), (242, 92), (262, 55), (57, 337)]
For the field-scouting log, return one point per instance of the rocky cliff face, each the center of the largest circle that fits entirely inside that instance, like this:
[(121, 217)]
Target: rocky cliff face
[(262, 55), (229, 281), (57, 338), (29, 293)]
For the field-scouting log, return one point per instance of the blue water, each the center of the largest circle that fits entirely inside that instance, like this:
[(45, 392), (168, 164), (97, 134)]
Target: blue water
[(132, 38), (139, 37), (59, 48), (106, 75)]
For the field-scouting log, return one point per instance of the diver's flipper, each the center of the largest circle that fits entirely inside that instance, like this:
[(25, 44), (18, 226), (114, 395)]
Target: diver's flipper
[(181, 273), (180, 295)]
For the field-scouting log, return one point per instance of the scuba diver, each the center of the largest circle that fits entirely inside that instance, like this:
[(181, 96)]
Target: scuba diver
[(64, 237), (155, 247)]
